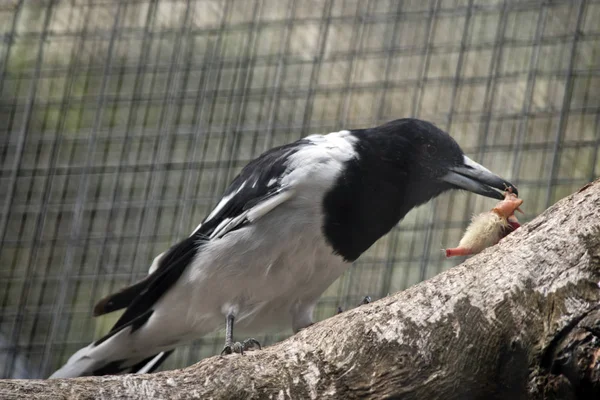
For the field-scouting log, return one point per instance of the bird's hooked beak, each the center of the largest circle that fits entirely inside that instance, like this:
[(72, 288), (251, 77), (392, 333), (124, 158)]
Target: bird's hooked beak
[(476, 178)]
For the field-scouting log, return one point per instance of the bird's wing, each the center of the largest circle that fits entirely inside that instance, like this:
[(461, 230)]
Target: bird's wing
[(254, 192), (244, 208), (259, 188)]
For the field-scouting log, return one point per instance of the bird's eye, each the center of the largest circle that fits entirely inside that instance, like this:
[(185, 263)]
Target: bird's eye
[(429, 149)]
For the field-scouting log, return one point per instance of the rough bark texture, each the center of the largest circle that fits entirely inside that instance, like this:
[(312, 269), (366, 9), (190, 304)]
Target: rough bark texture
[(520, 320)]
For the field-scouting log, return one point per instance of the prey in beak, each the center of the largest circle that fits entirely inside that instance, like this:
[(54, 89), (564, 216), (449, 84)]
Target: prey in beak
[(486, 229), (476, 178)]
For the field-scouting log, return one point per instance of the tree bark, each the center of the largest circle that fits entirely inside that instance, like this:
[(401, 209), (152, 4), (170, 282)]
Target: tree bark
[(521, 320)]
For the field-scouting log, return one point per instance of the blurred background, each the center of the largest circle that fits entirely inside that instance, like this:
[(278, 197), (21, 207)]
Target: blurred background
[(122, 122)]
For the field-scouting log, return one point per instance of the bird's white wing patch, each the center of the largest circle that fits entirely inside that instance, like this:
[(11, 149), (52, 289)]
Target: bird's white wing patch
[(150, 364), (252, 214), (269, 204), (222, 204), (227, 225), (218, 207), (196, 230), (221, 227), (155, 263)]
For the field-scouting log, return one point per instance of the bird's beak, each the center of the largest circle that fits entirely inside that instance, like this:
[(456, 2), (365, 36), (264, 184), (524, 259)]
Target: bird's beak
[(476, 178)]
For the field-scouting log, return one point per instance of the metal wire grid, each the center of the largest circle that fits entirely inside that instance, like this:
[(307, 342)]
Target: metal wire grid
[(122, 122)]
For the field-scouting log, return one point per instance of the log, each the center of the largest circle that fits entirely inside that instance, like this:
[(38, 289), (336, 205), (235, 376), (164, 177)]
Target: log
[(521, 320)]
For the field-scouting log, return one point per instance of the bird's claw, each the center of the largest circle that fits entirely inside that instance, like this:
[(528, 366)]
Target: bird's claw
[(232, 348), (366, 300), (239, 348), (250, 344)]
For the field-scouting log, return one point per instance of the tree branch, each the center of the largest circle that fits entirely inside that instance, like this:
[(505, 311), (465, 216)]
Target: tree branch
[(520, 320)]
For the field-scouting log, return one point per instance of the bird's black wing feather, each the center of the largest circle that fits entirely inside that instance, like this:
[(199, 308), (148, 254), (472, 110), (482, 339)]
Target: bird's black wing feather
[(122, 298), (120, 366), (172, 266), (258, 181)]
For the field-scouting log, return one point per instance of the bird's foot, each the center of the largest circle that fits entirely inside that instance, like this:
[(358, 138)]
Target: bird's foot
[(239, 348), (366, 300)]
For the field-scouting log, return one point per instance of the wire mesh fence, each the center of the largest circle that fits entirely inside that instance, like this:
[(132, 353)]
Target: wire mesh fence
[(121, 123)]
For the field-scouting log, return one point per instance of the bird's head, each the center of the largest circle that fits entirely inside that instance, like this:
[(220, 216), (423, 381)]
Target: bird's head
[(397, 166), (435, 163)]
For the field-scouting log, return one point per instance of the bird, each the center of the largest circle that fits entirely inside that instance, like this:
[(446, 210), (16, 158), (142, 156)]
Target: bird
[(287, 226)]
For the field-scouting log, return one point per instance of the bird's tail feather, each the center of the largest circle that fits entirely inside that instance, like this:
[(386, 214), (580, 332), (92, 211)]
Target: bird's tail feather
[(109, 358)]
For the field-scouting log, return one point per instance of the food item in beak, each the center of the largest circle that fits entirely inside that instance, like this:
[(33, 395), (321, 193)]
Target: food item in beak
[(488, 228)]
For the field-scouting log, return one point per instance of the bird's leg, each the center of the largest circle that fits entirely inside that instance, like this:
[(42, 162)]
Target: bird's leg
[(366, 300), (230, 347), (237, 347)]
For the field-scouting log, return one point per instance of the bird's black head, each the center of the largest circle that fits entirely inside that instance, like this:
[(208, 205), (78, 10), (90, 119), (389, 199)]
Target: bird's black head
[(432, 161), (399, 165)]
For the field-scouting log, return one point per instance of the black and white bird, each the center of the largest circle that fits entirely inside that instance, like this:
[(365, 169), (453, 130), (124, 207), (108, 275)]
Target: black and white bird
[(286, 228)]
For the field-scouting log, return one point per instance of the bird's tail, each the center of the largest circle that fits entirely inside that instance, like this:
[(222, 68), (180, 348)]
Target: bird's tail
[(104, 359), (138, 342)]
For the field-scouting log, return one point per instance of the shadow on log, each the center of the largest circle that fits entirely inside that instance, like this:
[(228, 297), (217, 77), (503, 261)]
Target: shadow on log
[(521, 320)]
